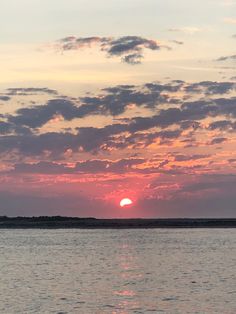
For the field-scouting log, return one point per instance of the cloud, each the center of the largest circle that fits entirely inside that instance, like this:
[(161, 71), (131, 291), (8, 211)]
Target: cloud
[(28, 91), (106, 166), (177, 42), (129, 48), (42, 167), (230, 20), (217, 140), (35, 145), (181, 157), (92, 139), (74, 43), (211, 88), (142, 139), (89, 166), (228, 3), (115, 101), (187, 30), (4, 98), (223, 125), (134, 58), (9, 128), (112, 101), (134, 133), (201, 109), (225, 58), (169, 119), (39, 115)]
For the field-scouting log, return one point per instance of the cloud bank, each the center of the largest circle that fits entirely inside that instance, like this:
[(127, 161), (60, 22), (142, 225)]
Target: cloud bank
[(172, 142)]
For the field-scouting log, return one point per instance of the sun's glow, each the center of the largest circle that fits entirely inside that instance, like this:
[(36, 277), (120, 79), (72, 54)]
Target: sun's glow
[(125, 202)]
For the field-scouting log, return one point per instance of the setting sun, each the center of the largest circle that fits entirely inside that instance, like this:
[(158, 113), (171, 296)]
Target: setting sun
[(125, 202)]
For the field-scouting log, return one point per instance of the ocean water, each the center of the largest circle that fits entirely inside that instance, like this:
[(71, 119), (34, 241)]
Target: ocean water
[(118, 271)]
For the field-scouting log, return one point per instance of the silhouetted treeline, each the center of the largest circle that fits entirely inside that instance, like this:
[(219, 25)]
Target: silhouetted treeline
[(56, 222)]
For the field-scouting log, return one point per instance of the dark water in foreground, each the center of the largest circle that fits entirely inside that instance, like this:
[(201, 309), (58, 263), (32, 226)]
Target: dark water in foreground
[(118, 271)]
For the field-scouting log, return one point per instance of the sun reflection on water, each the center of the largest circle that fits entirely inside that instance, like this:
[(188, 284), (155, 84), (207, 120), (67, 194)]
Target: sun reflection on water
[(129, 272)]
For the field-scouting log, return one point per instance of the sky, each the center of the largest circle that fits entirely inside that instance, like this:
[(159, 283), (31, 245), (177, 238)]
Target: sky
[(103, 100)]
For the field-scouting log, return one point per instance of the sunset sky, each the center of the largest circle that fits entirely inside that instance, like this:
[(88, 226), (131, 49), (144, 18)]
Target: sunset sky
[(102, 100)]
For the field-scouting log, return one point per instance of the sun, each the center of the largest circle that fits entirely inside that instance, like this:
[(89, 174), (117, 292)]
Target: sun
[(125, 202)]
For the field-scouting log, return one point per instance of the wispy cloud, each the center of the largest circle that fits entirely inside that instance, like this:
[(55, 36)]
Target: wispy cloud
[(230, 20), (225, 58), (187, 30), (27, 91), (228, 3), (177, 42)]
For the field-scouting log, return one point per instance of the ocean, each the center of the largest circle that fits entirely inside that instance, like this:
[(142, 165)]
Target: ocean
[(118, 271)]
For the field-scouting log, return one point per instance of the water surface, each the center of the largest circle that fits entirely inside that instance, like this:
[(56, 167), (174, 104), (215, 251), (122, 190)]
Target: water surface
[(118, 271)]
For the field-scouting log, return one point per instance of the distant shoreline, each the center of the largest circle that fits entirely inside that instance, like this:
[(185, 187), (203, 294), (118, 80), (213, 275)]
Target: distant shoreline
[(58, 222)]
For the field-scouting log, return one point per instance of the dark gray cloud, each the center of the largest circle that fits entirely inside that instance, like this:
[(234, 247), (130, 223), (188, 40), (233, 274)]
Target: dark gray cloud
[(93, 139), (74, 43), (39, 115), (103, 166), (199, 109), (134, 58), (217, 140), (42, 167), (4, 98), (36, 145), (89, 166), (181, 157), (211, 88), (223, 125), (141, 140), (172, 87), (89, 139), (119, 166), (112, 101), (7, 128), (115, 101), (167, 124), (129, 48)]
